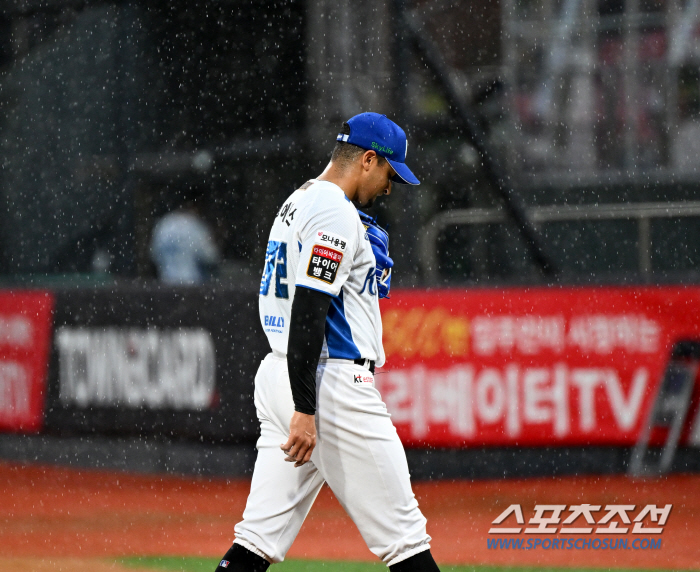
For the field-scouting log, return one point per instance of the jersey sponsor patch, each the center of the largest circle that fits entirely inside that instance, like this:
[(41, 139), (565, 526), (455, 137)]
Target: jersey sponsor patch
[(329, 239), (324, 263)]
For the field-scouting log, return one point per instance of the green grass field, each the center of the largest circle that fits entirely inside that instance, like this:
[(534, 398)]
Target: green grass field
[(181, 564)]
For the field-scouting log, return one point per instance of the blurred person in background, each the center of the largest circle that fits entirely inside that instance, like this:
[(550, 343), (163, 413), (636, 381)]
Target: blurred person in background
[(182, 245)]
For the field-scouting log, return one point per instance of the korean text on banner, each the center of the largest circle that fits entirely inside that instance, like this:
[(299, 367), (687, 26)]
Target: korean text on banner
[(576, 366)]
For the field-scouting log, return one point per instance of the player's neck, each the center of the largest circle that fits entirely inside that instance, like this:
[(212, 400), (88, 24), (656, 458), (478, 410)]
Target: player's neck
[(345, 179)]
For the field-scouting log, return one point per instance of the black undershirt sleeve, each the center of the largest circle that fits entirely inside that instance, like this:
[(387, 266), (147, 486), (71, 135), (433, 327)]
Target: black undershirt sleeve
[(306, 331)]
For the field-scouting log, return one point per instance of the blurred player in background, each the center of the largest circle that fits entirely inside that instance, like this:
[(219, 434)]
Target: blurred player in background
[(182, 246)]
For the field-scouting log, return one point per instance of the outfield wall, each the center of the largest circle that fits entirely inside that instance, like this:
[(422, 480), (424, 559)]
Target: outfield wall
[(543, 367), (532, 367), (174, 362)]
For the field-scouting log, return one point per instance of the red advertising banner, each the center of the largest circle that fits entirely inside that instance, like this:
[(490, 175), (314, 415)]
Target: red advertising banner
[(541, 366), (25, 337)]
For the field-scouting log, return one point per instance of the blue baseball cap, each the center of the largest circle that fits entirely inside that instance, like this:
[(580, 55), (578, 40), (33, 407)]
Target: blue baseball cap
[(379, 133)]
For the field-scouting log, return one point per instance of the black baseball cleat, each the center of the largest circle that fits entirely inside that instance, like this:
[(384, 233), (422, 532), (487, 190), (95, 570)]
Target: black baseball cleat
[(240, 559)]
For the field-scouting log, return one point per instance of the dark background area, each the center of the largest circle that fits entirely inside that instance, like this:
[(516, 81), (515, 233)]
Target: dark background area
[(114, 112)]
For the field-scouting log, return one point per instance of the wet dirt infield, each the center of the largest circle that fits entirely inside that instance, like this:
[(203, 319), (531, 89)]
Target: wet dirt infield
[(55, 518)]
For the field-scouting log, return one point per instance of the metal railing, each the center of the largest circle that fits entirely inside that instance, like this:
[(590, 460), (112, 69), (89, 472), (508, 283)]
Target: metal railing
[(641, 212)]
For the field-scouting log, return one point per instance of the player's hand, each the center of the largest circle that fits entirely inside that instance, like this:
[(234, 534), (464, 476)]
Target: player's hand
[(302, 439)]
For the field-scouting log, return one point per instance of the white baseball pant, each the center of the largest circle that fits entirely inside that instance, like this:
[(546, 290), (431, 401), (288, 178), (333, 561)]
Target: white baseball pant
[(358, 454)]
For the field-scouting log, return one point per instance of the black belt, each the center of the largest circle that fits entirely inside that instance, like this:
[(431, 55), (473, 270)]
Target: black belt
[(368, 363)]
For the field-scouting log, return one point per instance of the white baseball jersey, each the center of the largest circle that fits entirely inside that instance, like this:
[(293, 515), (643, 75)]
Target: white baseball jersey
[(318, 241)]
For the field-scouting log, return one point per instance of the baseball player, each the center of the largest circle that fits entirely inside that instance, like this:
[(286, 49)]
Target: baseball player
[(321, 418)]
